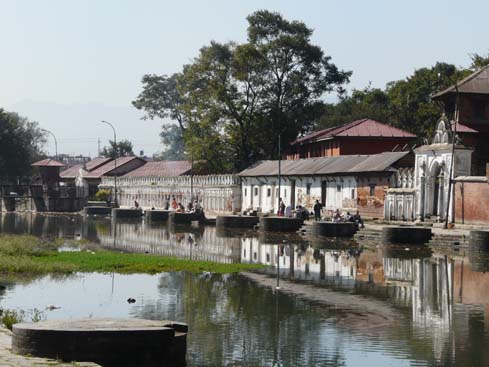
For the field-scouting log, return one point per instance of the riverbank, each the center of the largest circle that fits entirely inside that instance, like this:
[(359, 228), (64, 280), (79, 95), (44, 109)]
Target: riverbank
[(7, 358), (31, 255)]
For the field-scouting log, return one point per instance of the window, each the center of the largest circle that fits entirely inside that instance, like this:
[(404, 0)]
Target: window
[(268, 258), (269, 192), (372, 189), (308, 189), (246, 192), (285, 193), (338, 188), (353, 193), (256, 191)]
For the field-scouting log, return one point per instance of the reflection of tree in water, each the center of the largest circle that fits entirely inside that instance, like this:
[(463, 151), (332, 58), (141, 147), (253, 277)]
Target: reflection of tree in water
[(235, 322)]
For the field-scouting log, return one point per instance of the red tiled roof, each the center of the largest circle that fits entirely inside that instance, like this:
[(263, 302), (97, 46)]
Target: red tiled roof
[(161, 169), (71, 172), (96, 162), (359, 128), (109, 166), (47, 163)]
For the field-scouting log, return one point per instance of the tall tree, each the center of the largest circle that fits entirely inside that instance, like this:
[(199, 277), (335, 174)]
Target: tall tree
[(404, 103), (172, 138), (234, 100), (478, 61), (21, 143), (123, 148)]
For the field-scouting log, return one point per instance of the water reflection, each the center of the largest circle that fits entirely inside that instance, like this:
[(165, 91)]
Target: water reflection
[(341, 304)]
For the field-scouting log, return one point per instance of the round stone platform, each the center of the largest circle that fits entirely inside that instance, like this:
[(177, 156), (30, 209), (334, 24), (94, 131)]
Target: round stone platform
[(236, 221), (331, 229), (406, 234), (280, 224), (106, 341)]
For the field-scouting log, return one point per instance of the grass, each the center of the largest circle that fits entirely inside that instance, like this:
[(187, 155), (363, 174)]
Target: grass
[(31, 255)]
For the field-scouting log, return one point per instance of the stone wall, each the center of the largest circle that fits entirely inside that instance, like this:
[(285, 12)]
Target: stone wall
[(472, 200), (216, 193)]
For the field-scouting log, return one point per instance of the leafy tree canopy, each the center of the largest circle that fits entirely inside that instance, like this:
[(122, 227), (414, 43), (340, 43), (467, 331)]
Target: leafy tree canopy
[(233, 100), (404, 103), (21, 143), (123, 148)]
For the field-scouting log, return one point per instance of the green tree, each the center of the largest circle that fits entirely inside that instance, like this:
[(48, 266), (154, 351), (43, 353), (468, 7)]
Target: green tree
[(234, 100), (21, 143), (172, 137), (123, 149), (404, 103), (478, 61)]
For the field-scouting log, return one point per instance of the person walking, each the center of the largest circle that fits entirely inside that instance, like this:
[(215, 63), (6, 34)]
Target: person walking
[(317, 210), (281, 208)]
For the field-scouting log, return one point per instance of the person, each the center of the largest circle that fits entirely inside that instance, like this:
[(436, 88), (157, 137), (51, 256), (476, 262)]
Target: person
[(317, 210), (358, 219), (197, 206), (281, 207), (136, 204), (337, 216), (180, 208), (190, 206), (348, 217), (288, 211), (174, 204), (300, 213), (166, 206)]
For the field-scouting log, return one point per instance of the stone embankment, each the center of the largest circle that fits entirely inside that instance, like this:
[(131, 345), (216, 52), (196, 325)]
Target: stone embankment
[(7, 358)]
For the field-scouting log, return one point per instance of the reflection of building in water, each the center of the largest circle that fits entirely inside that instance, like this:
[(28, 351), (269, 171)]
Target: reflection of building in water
[(195, 243), (301, 262)]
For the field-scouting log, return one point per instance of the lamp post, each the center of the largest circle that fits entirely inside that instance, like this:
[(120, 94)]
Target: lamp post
[(115, 160), (55, 142), (452, 162)]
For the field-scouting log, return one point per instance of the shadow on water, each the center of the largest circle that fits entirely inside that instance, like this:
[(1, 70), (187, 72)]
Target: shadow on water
[(340, 304)]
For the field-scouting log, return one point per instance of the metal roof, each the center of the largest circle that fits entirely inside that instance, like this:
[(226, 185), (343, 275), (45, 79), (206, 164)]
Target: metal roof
[(359, 128), (477, 82), (71, 172), (345, 164), (109, 166), (47, 163), (96, 162), (161, 169)]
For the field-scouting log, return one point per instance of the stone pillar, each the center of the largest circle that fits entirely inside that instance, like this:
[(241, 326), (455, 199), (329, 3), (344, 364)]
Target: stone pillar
[(441, 190), (422, 193)]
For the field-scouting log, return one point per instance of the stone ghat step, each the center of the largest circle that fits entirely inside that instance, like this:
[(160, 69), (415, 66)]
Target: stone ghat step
[(106, 341)]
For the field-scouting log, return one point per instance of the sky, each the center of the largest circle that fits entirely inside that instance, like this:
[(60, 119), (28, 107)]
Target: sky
[(70, 64)]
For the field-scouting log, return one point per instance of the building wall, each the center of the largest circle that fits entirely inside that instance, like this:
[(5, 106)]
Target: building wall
[(216, 193), (347, 193), (472, 201)]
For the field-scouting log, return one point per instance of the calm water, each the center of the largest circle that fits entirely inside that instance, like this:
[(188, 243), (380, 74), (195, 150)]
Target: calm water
[(341, 305)]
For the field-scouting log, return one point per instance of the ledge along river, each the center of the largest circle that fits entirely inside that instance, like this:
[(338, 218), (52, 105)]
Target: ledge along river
[(340, 304)]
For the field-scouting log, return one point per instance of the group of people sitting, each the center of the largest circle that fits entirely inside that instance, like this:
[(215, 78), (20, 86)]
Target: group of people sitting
[(355, 218), (192, 206)]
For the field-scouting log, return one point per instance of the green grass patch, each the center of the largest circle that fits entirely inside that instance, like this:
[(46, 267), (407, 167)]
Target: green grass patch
[(27, 254)]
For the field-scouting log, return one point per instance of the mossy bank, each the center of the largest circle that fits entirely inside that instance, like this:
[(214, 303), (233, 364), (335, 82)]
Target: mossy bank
[(32, 255)]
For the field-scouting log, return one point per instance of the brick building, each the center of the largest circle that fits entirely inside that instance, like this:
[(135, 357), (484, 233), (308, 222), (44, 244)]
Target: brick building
[(363, 136)]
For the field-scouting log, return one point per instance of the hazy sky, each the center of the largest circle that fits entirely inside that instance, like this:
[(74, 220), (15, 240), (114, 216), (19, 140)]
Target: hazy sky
[(70, 64)]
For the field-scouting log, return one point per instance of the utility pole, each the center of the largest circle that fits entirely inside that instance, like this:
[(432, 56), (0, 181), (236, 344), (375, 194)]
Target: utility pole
[(452, 162), (115, 161), (98, 147)]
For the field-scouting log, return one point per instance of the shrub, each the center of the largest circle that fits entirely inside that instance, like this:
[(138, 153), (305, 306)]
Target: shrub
[(102, 195)]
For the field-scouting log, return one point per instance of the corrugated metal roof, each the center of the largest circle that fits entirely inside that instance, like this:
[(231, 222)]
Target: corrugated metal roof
[(477, 82), (358, 128), (96, 162), (47, 163), (346, 164), (71, 172), (109, 166), (161, 169)]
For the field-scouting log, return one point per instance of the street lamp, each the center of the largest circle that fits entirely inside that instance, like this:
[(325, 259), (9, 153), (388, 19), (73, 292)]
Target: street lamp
[(115, 160), (55, 142), (452, 162)]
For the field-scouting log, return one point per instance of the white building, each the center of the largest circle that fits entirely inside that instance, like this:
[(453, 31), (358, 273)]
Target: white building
[(343, 182)]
